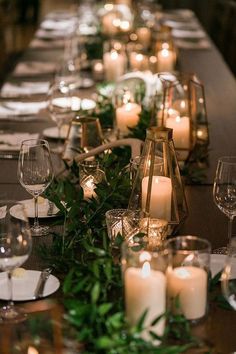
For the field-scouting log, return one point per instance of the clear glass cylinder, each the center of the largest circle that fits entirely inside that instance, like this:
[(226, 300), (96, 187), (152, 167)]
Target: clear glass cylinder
[(157, 191), (90, 174), (145, 288), (187, 276)]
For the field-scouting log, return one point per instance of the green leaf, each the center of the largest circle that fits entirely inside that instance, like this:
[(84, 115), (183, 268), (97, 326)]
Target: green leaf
[(95, 292), (104, 308)]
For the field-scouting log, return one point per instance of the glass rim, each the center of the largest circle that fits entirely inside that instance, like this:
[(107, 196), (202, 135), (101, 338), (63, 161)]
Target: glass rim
[(180, 238), (227, 159), (29, 142), (122, 210)]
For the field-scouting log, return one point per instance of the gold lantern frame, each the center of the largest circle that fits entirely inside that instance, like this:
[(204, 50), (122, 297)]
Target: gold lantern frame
[(193, 97)]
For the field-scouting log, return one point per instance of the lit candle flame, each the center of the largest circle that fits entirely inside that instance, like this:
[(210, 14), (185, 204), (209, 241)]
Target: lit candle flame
[(114, 55), (146, 270), (165, 53), (139, 57)]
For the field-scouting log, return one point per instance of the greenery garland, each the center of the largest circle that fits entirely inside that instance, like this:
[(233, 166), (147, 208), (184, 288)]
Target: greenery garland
[(90, 271)]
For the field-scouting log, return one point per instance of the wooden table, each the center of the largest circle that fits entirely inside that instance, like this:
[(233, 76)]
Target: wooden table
[(204, 219)]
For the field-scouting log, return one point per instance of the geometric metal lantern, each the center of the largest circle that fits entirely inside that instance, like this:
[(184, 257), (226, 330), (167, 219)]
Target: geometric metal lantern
[(157, 191), (183, 109)]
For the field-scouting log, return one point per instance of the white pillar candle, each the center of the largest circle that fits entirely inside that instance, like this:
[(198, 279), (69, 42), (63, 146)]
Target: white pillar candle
[(160, 201), (145, 289), (190, 285), (181, 130), (144, 36), (165, 60), (114, 65), (108, 21), (138, 61), (127, 116)]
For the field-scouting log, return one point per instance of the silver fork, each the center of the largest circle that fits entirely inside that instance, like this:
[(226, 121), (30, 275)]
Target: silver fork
[(38, 293)]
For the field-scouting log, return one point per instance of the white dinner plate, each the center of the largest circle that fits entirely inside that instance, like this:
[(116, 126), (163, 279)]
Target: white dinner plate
[(76, 103), (43, 209), (217, 264), (23, 287), (53, 132)]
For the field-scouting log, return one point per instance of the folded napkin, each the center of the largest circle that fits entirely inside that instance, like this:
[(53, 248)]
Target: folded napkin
[(12, 142), (24, 88), (37, 43), (187, 44), (13, 108), (177, 33), (190, 25), (41, 33), (32, 68), (60, 25)]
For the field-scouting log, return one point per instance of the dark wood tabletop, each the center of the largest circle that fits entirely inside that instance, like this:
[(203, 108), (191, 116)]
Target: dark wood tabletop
[(204, 220)]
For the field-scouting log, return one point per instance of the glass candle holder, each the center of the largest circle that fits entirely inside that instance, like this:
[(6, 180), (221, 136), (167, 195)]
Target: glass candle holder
[(117, 223), (187, 276), (145, 288), (149, 232), (90, 174), (114, 60)]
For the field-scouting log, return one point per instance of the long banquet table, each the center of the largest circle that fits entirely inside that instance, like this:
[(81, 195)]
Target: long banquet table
[(204, 219)]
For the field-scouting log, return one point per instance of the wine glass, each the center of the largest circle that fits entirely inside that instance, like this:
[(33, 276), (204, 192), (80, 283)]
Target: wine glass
[(224, 192), (60, 104), (228, 281), (35, 174), (15, 247)]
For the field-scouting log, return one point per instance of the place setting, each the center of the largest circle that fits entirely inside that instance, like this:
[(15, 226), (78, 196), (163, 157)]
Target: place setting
[(24, 88), (18, 284), (19, 110)]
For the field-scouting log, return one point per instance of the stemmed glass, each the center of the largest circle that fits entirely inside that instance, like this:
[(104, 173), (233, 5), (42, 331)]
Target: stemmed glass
[(60, 108), (224, 192), (228, 281), (15, 247), (35, 173)]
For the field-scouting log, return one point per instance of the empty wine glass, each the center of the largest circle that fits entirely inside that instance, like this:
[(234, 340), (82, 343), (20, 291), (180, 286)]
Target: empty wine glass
[(224, 192), (60, 107), (15, 247), (228, 281), (35, 174)]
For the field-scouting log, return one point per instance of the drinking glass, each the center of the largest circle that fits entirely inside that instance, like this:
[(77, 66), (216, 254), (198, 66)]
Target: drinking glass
[(228, 281), (224, 192), (60, 104), (35, 174), (15, 247)]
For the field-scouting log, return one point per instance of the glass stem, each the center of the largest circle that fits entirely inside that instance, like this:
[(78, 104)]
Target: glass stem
[(36, 212), (59, 134), (230, 228), (9, 277)]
